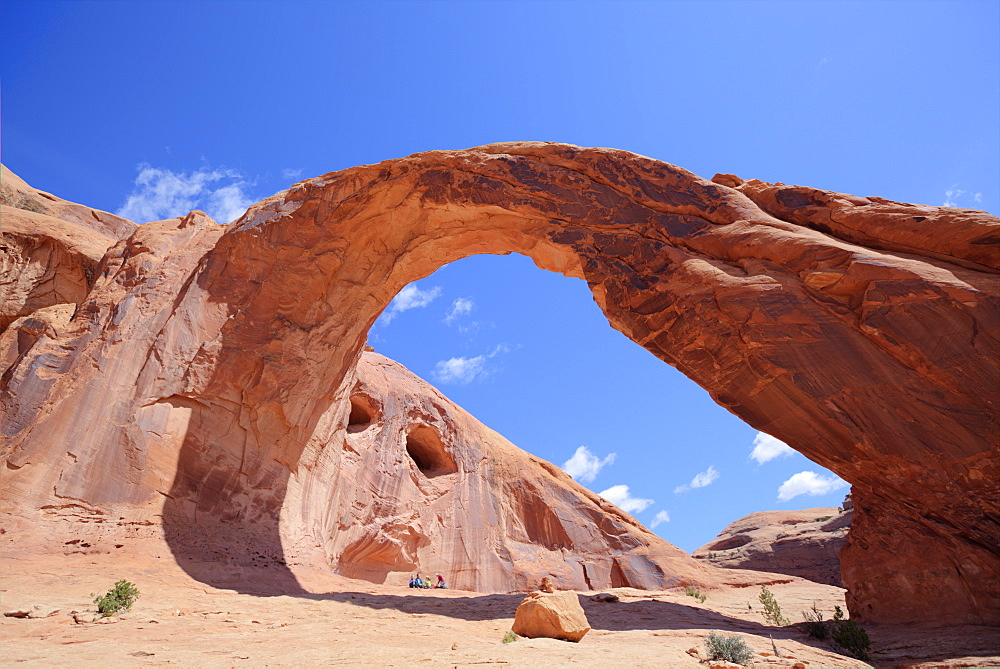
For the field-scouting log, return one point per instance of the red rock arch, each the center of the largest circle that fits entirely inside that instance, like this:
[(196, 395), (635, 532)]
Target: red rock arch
[(859, 331)]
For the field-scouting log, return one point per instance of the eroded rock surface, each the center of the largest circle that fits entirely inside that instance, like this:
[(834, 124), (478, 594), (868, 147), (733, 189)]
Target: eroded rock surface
[(206, 373), (804, 543)]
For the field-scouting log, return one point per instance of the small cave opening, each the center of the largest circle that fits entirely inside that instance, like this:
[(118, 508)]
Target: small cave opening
[(364, 412), (425, 448)]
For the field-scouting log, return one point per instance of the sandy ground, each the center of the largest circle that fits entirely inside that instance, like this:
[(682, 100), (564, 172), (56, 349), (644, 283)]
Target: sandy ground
[(182, 622)]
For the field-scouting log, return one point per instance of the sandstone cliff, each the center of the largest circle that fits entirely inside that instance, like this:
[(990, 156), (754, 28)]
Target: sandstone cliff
[(206, 370), (804, 543)]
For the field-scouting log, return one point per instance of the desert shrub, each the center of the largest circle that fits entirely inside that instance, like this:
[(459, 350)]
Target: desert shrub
[(694, 592), (510, 637), (853, 638), (772, 612), (815, 625), (119, 598), (729, 648), (823, 519)]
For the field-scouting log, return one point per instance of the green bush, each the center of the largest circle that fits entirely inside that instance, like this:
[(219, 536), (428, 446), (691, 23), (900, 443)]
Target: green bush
[(694, 592), (853, 638), (772, 612), (729, 648), (815, 625), (510, 637), (119, 598)]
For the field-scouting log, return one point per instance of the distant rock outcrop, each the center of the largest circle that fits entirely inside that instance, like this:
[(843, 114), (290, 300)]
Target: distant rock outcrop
[(802, 543), (204, 377)]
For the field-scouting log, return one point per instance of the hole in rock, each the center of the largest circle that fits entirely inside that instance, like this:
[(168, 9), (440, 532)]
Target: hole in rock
[(364, 411), (425, 447)]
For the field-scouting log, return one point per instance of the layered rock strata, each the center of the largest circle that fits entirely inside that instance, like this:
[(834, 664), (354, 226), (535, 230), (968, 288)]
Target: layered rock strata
[(847, 327)]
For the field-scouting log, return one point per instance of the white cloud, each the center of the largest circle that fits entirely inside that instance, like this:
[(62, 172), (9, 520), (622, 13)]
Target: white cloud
[(465, 370), (707, 477), (161, 193), (660, 518), (622, 498), (767, 448), (228, 203), (978, 197), (809, 483), (289, 173), (460, 370), (411, 297), (951, 196), (462, 305), (584, 466)]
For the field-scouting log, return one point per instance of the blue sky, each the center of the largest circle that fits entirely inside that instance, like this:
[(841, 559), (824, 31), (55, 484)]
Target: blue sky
[(152, 108)]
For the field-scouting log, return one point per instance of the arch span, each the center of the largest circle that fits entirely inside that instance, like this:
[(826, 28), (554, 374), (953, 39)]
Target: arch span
[(874, 363), (846, 327)]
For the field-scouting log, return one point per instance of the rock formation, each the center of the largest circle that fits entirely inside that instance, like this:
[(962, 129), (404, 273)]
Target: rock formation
[(208, 368), (425, 487), (551, 615), (421, 484), (803, 543)]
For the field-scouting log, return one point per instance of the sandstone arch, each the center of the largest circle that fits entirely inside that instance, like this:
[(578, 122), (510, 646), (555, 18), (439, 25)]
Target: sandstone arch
[(848, 327)]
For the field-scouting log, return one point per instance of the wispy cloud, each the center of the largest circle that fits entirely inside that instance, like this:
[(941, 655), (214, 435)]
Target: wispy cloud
[(411, 297), (289, 173), (707, 477), (809, 483), (460, 370), (954, 197), (464, 370), (462, 305), (660, 518), (767, 448), (161, 193), (620, 496), (951, 196), (584, 466)]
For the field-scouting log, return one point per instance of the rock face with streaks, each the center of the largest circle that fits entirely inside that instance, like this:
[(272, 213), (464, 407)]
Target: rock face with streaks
[(804, 543), (208, 370)]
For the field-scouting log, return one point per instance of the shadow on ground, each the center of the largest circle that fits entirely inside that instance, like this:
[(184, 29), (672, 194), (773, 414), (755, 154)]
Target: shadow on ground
[(892, 645)]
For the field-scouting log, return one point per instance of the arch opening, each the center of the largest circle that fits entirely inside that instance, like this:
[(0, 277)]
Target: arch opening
[(427, 450), (364, 411)]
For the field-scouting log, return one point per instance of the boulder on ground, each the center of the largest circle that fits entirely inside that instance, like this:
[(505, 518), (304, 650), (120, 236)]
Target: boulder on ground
[(556, 615)]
